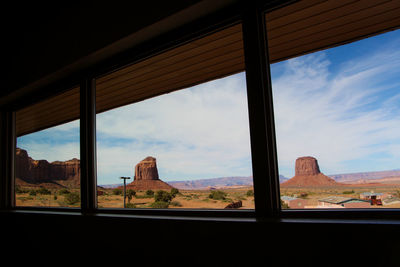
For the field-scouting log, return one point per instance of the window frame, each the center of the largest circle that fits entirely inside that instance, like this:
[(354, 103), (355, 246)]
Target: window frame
[(261, 123), (329, 215)]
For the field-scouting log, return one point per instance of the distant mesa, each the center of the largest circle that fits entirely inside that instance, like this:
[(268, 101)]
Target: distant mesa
[(146, 169), (146, 177), (30, 172), (307, 173)]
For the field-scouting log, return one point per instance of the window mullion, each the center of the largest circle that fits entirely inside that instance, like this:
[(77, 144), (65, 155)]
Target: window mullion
[(7, 159), (88, 146), (261, 116)]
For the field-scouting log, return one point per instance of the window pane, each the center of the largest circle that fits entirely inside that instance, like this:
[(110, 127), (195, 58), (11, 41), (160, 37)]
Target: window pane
[(47, 165), (194, 141), (177, 125), (337, 116)]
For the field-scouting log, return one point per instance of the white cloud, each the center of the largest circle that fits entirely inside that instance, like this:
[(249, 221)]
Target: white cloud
[(194, 133), (339, 117)]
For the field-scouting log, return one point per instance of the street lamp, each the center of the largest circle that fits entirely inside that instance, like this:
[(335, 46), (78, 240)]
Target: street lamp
[(125, 178)]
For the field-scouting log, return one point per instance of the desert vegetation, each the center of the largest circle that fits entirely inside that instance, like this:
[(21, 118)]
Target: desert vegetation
[(174, 198), (44, 197)]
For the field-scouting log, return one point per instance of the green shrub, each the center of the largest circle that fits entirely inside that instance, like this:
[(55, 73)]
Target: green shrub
[(160, 204), (32, 192), (19, 190), (176, 204), (150, 193), (218, 195), (174, 192), (250, 193), (43, 191), (72, 198), (303, 195), (117, 191), (162, 196), (348, 192), (130, 193), (63, 191)]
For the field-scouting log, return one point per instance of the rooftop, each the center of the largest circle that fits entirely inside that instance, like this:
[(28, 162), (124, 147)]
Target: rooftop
[(287, 198), (340, 200)]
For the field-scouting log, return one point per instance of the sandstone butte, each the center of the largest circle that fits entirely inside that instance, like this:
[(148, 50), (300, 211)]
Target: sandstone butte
[(308, 174), (146, 177), (32, 172)]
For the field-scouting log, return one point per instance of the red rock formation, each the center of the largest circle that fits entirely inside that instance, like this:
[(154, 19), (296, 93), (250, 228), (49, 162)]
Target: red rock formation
[(41, 171), (146, 169), (308, 174), (146, 177), (307, 166)]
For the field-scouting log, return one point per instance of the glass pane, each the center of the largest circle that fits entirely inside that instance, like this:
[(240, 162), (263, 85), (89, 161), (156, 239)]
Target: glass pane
[(186, 149), (47, 165), (337, 115)]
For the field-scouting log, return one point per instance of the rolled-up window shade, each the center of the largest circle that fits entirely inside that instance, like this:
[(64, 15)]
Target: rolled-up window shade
[(312, 25), (293, 30), (214, 56), (52, 111)]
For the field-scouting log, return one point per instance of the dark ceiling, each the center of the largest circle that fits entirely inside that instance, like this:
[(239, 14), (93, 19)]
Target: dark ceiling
[(43, 37)]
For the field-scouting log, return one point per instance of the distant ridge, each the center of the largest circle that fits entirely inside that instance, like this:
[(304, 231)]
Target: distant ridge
[(213, 182), (219, 182), (352, 177)]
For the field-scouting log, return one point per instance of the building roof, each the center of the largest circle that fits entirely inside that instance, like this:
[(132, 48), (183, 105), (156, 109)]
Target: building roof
[(287, 198), (340, 200)]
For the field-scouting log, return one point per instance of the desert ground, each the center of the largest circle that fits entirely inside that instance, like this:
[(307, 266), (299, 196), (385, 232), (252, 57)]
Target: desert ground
[(197, 199), (31, 197), (189, 199), (313, 194)]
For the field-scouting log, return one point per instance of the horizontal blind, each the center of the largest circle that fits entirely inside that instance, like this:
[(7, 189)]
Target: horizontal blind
[(312, 25), (214, 56), (50, 112), (293, 30)]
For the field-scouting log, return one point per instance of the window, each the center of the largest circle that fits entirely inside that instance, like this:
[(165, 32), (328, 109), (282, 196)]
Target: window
[(172, 127), (337, 109), (47, 165), (180, 148)]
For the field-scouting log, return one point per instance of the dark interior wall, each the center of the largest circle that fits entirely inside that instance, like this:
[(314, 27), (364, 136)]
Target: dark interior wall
[(44, 36), (155, 242), (41, 42)]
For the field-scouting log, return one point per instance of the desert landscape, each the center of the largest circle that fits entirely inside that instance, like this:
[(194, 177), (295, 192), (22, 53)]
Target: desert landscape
[(311, 189), (57, 184)]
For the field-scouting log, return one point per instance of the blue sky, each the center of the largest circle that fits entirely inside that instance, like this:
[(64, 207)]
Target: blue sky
[(340, 105)]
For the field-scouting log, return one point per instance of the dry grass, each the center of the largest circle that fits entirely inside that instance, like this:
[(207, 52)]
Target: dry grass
[(186, 199), (314, 194), (26, 200)]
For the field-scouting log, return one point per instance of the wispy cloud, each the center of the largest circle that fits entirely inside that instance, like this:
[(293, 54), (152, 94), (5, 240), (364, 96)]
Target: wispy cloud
[(56, 143), (199, 132), (349, 119)]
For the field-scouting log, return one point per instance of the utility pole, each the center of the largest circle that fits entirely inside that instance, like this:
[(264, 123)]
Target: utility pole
[(125, 178)]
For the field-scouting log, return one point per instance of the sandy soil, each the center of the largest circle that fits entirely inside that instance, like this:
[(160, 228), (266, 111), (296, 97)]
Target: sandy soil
[(312, 195), (186, 199)]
